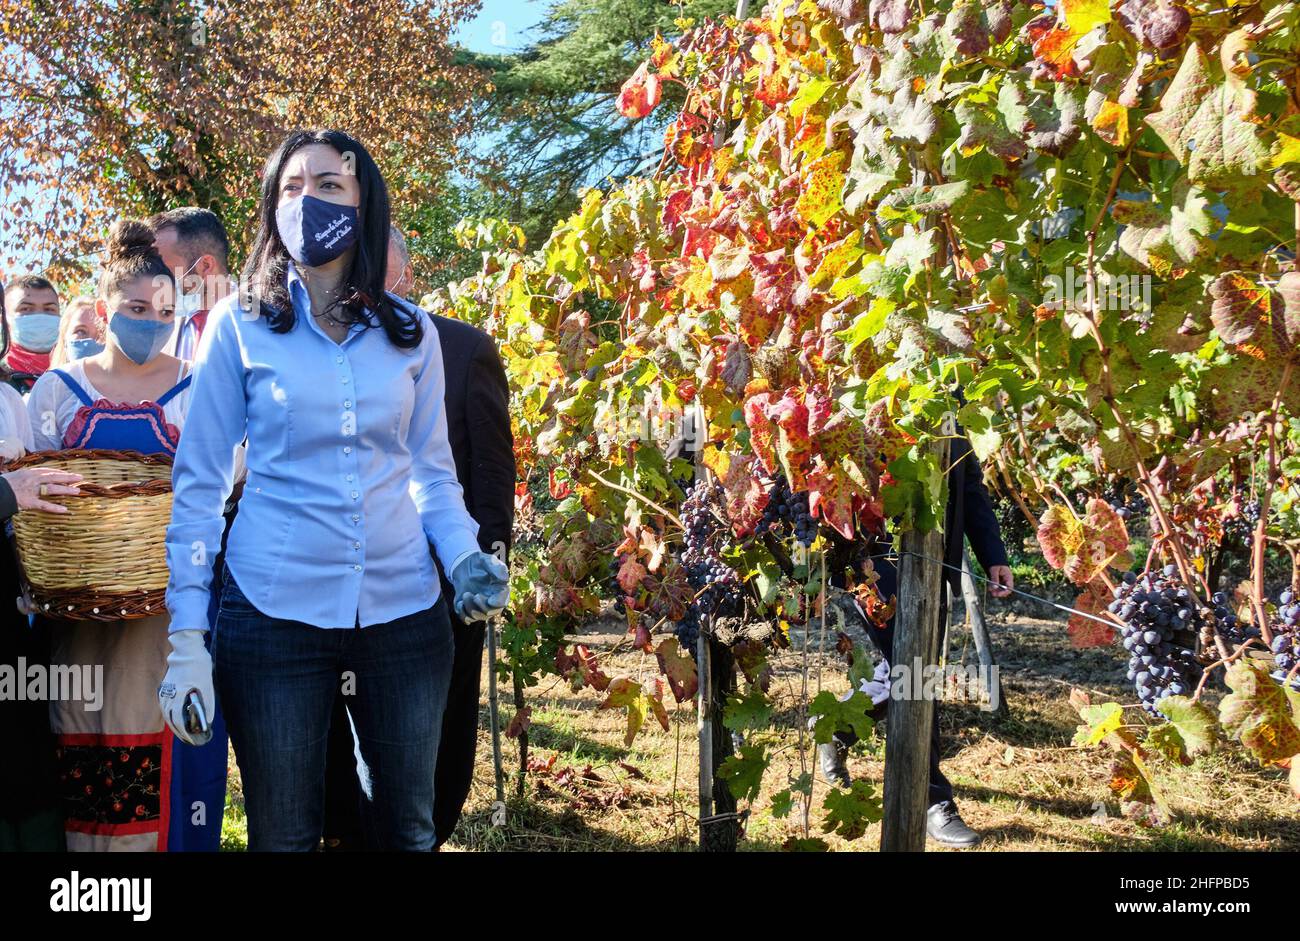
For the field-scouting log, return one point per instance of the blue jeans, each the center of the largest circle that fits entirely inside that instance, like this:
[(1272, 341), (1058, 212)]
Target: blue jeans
[(277, 680)]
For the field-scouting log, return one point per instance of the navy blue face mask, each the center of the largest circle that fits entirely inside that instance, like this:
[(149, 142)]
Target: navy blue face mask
[(314, 231)]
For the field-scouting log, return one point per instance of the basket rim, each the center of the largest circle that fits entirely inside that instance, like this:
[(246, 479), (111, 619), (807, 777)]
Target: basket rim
[(101, 454)]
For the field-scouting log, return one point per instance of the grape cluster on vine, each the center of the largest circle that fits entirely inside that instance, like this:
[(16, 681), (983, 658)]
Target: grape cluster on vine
[(1286, 638), (1152, 608), (1241, 525), (717, 586), (1127, 503), (785, 511)]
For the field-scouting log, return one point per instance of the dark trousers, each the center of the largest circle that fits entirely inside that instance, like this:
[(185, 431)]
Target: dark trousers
[(454, 772), (940, 786), (278, 681)]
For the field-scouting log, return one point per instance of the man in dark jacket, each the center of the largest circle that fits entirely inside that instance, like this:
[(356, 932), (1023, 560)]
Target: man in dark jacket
[(970, 516), (478, 428)]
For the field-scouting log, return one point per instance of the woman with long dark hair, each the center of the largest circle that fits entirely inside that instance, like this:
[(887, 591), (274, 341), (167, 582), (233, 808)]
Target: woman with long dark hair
[(328, 583)]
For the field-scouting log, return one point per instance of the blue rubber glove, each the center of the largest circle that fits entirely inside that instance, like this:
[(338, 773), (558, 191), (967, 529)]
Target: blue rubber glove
[(482, 583)]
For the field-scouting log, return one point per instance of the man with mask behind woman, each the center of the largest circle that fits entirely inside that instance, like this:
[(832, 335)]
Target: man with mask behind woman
[(124, 786), (33, 312), (194, 244)]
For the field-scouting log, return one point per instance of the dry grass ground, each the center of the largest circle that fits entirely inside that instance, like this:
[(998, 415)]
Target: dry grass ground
[(1017, 777)]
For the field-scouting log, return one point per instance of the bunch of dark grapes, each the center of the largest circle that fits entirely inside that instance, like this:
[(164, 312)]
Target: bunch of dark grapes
[(687, 630), (1241, 527), (717, 584), (1126, 503), (1286, 637), (1152, 608), (786, 508), (1226, 624)]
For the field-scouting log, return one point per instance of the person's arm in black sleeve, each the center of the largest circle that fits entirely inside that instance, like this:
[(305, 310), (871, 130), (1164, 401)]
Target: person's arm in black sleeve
[(8, 500), (492, 452), (981, 524)]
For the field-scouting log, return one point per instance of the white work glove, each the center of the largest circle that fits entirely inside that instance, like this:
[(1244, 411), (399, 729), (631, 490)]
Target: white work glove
[(482, 583), (189, 667), (877, 687)]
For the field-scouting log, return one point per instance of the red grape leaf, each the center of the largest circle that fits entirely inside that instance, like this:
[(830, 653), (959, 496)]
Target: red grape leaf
[(679, 668), (1056, 34), (1241, 307), (1085, 632), (793, 443), (1082, 549), (630, 575), (655, 700), (520, 723), (591, 671), (640, 93), (761, 429)]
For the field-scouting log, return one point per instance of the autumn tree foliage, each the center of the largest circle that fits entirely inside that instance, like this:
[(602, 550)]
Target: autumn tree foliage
[(126, 108)]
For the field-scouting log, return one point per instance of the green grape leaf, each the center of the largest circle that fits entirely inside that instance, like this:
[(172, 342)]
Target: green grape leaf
[(836, 716), (1194, 721), (743, 772), (1259, 714), (1098, 722), (1204, 121), (751, 711), (850, 811)]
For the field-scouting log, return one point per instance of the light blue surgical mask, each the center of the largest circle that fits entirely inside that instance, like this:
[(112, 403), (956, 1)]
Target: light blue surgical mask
[(187, 305), (81, 347), (36, 332), (140, 340)]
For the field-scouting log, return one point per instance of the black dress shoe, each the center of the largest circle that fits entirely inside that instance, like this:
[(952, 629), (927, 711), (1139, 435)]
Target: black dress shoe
[(832, 757), (944, 825)]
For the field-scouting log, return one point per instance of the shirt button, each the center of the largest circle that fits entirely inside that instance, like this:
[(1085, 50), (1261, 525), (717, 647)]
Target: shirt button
[(347, 403), (347, 450), (356, 568), (349, 478), (356, 545), (345, 380), (354, 494), (338, 359), (355, 518)]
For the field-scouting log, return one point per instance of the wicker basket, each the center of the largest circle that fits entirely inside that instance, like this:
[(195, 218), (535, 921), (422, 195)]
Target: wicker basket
[(105, 559)]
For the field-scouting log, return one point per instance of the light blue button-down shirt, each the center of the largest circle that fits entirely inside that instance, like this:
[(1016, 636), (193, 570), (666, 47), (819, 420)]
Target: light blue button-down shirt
[(350, 475)]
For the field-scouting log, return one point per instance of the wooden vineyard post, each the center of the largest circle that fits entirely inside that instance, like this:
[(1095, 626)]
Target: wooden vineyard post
[(522, 739), (907, 724), (494, 715), (719, 827), (715, 667), (979, 630)]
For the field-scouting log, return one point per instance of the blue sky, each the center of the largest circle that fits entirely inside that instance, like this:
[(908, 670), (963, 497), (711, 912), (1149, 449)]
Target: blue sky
[(502, 25)]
